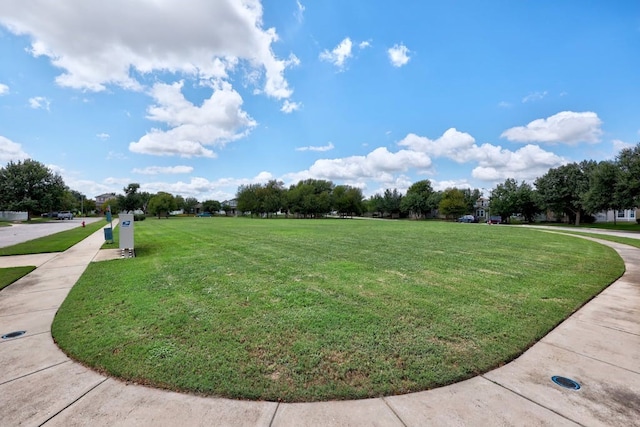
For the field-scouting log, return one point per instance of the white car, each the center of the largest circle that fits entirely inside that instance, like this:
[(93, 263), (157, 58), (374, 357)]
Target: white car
[(65, 215)]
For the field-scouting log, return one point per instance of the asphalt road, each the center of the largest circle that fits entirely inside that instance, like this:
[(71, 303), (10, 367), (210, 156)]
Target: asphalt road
[(18, 233)]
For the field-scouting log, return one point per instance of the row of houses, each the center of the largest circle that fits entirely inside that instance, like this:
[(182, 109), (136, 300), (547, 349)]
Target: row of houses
[(483, 209)]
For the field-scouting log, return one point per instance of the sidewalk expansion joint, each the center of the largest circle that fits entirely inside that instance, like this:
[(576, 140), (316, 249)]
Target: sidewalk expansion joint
[(273, 417), (35, 372), (74, 401), (531, 400), (384, 399), (608, 327), (591, 357), (27, 312)]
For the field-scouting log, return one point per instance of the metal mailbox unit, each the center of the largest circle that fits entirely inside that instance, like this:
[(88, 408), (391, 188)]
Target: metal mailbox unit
[(126, 234)]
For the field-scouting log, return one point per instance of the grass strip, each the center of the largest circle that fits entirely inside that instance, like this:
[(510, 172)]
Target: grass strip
[(58, 242), (11, 274), (306, 310), (617, 239)]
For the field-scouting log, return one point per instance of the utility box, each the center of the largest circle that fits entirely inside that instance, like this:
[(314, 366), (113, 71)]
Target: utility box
[(126, 231)]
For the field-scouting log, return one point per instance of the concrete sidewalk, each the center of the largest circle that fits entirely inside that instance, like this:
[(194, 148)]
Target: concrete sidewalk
[(599, 346)]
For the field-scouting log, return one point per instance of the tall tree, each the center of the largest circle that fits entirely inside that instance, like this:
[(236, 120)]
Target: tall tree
[(271, 197), (628, 160), (417, 198), (162, 203), (471, 198), (375, 204), (248, 198), (347, 200), (528, 204), (311, 197), (190, 204), (562, 189), (211, 206), (606, 190), (30, 186), (131, 199), (504, 199), (453, 203), (392, 201)]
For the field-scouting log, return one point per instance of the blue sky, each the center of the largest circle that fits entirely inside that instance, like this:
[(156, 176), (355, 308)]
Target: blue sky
[(198, 100)]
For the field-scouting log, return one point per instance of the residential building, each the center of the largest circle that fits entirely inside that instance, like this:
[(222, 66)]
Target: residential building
[(622, 215), (103, 198)]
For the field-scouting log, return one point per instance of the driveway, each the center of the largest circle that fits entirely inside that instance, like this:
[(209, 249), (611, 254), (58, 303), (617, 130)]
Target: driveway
[(18, 233)]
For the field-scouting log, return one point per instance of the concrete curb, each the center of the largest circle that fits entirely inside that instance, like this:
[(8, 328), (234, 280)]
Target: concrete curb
[(599, 346)]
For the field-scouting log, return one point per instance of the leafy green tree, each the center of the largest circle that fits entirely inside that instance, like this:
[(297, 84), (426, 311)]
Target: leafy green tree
[(30, 186), (606, 190), (433, 202), (162, 203), (145, 196), (271, 197), (179, 202), (504, 199), (190, 204), (347, 200), (211, 206), (628, 191), (311, 197), (416, 200), (453, 203), (375, 204), (471, 199), (88, 205), (248, 198), (392, 201), (70, 201), (131, 200), (528, 204), (563, 189), (226, 207)]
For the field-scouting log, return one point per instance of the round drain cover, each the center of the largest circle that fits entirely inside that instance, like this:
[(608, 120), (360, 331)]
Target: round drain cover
[(566, 382), (13, 334)]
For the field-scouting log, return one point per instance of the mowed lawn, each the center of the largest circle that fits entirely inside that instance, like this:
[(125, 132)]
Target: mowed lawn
[(305, 310)]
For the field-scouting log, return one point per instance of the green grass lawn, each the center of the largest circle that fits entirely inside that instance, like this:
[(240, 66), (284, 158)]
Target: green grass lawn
[(58, 242), (11, 274), (621, 226), (305, 310)]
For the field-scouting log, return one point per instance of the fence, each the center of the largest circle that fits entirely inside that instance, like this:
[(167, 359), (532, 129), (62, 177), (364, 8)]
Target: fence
[(13, 216)]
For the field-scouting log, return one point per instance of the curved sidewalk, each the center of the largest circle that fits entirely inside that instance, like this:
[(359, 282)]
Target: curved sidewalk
[(598, 346)]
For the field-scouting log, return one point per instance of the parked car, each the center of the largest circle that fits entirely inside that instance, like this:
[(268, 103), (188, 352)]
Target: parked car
[(65, 215), (494, 220), (467, 218), (203, 214)]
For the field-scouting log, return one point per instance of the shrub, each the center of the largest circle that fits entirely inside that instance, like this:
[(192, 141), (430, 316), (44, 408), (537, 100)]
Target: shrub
[(139, 217)]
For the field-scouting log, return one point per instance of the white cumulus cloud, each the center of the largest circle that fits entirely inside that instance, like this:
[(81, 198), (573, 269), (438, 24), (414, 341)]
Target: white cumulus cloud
[(103, 136), (160, 170), (100, 43), (4, 89), (339, 55), (327, 147), (289, 106), (379, 165), (494, 162), (11, 151), (566, 127), (39, 102), (534, 96), (399, 55), (217, 121)]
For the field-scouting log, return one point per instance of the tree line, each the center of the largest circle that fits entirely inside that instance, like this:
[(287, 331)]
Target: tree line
[(575, 191), (29, 186)]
